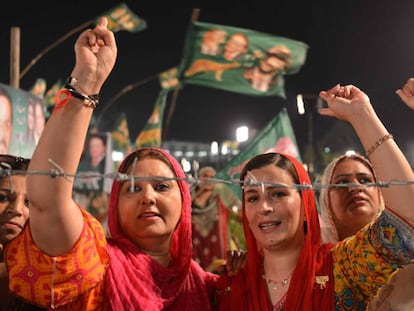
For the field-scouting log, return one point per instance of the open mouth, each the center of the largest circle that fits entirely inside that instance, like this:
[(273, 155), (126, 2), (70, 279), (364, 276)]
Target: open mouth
[(268, 225), (148, 215)]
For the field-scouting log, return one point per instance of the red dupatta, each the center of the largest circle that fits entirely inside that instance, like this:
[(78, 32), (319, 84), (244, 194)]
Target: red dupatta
[(248, 290), (135, 281)]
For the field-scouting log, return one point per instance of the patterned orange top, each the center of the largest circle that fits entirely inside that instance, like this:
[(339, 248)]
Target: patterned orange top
[(78, 274)]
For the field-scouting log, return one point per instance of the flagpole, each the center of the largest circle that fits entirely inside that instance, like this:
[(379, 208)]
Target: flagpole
[(53, 45), (194, 16), (123, 91)]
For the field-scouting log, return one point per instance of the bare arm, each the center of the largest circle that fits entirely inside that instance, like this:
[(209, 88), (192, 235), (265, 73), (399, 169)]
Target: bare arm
[(55, 219), (406, 93), (351, 104)]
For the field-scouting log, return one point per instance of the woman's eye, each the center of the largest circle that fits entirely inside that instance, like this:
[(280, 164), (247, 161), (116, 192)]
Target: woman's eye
[(342, 181), (365, 181), (162, 187), (278, 194), (133, 188), (4, 198), (27, 203), (251, 199)]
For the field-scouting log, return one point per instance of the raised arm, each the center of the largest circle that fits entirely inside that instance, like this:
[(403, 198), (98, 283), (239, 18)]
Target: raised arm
[(351, 104), (55, 219), (406, 93)]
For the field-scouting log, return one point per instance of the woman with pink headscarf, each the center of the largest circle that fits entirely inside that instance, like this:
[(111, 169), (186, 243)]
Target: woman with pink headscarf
[(63, 260)]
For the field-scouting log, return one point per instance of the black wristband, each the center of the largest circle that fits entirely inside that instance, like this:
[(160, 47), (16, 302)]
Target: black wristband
[(90, 101)]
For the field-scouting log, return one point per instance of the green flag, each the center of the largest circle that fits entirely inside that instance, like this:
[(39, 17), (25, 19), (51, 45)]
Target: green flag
[(276, 136), (150, 136), (39, 88), (50, 96), (239, 60), (169, 79), (120, 135), (122, 18)]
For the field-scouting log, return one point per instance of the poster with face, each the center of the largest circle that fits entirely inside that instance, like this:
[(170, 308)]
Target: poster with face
[(91, 188), (22, 120)]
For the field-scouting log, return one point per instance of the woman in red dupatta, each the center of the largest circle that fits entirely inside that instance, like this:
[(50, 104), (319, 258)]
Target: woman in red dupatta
[(287, 266), (313, 259)]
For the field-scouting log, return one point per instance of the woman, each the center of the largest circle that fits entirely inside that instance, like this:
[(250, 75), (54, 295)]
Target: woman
[(69, 264), (346, 210), (287, 266), (342, 220), (14, 213), (212, 219), (93, 193)]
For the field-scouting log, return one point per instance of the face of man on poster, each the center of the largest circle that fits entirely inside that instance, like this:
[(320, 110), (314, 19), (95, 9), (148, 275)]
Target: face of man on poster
[(22, 120), (6, 121)]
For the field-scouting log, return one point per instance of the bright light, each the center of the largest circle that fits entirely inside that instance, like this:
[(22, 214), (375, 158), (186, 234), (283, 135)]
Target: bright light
[(224, 149), (214, 148), (242, 134), (350, 153), (117, 156), (300, 104), (186, 165)]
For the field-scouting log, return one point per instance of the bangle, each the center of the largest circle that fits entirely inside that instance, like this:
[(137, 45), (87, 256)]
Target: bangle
[(378, 143), (90, 101)]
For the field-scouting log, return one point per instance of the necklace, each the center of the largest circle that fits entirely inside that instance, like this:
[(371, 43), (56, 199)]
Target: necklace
[(276, 284)]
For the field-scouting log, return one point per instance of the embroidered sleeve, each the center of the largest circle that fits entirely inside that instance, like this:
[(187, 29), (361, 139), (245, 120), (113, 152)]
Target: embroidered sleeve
[(365, 262), (393, 238), (55, 281)]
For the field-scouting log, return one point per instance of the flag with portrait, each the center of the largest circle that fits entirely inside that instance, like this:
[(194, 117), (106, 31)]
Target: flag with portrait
[(120, 135), (121, 17), (151, 134), (239, 60)]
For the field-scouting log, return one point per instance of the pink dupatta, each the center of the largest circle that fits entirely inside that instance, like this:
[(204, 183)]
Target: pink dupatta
[(135, 281)]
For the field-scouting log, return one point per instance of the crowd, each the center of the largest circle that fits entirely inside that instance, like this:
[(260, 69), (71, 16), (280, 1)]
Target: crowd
[(355, 255)]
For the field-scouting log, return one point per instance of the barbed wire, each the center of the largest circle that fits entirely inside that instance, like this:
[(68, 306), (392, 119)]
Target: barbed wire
[(192, 181)]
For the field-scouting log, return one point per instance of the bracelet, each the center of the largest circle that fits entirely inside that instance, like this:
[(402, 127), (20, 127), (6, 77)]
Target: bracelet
[(90, 101), (378, 143)]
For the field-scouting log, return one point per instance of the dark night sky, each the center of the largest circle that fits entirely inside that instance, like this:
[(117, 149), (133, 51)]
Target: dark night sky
[(368, 43)]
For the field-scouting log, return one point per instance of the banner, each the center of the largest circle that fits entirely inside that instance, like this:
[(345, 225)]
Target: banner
[(90, 189), (22, 120), (120, 135), (276, 136), (39, 88), (239, 60), (50, 97), (122, 18), (151, 136), (169, 79)]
